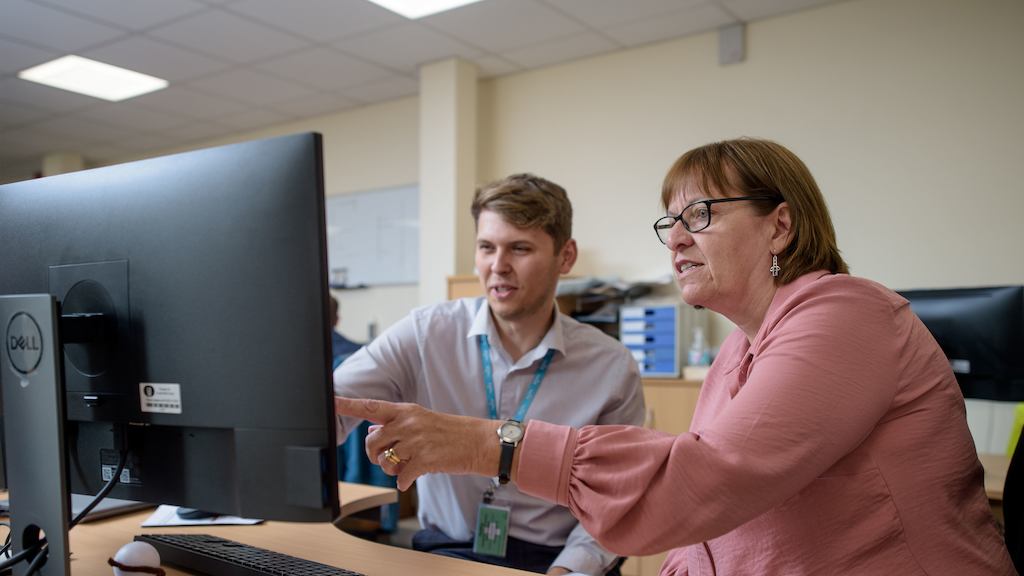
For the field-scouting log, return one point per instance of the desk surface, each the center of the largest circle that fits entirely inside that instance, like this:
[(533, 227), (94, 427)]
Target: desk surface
[(93, 542)]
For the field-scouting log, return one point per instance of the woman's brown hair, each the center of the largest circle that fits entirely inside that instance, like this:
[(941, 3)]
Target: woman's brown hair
[(755, 167)]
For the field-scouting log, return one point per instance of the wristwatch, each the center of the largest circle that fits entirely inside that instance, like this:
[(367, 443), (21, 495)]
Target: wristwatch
[(510, 433)]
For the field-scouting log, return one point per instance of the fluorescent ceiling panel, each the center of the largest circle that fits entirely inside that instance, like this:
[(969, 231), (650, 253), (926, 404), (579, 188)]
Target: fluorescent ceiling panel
[(420, 8), (92, 78)]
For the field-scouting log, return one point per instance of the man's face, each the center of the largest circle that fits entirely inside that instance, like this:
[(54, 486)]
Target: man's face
[(518, 267)]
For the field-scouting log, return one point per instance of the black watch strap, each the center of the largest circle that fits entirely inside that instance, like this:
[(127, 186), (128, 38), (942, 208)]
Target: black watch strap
[(508, 450)]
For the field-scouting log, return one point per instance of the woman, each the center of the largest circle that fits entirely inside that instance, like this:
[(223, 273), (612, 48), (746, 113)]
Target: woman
[(830, 436)]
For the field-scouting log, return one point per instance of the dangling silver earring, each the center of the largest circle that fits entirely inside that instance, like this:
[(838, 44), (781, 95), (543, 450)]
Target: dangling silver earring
[(775, 267)]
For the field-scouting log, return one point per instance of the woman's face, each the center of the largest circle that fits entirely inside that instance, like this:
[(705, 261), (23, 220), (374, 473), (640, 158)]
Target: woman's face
[(723, 267)]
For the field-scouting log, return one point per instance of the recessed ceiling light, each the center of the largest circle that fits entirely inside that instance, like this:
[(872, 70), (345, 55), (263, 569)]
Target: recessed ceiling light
[(421, 8), (92, 78)]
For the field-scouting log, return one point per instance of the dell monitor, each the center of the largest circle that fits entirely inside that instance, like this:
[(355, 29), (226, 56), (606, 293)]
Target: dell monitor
[(981, 331), (191, 296)]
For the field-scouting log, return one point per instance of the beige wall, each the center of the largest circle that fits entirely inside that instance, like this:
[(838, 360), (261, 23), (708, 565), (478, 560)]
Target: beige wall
[(909, 113), (364, 149)]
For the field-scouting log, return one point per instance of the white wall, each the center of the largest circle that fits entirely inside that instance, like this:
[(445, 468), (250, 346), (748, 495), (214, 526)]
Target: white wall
[(908, 112)]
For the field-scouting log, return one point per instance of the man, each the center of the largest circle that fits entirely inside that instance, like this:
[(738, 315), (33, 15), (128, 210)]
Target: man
[(341, 347), (510, 355)]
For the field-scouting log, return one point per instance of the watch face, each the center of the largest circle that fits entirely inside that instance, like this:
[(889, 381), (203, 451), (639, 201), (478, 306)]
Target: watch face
[(511, 432)]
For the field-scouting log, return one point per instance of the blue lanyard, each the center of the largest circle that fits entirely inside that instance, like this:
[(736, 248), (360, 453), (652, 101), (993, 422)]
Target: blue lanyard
[(538, 377)]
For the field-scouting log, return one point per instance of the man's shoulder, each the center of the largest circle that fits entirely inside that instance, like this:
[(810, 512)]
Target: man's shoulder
[(456, 313)]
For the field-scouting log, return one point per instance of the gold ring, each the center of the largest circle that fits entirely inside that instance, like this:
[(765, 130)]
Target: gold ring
[(390, 456)]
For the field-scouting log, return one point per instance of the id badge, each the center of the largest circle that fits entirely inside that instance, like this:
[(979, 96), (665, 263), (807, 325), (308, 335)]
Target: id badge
[(492, 521)]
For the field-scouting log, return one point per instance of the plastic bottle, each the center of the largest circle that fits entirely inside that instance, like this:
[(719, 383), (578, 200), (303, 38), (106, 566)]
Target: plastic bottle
[(699, 354)]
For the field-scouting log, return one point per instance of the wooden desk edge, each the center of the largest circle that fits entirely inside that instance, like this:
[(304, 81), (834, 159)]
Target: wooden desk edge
[(93, 542), (358, 497)]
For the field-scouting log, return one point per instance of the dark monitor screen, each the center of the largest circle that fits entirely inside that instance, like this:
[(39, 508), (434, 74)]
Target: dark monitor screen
[(981, 331), (213, 361)]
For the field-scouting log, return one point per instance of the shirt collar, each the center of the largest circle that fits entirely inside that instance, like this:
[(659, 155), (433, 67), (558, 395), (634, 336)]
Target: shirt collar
[(554, 339)]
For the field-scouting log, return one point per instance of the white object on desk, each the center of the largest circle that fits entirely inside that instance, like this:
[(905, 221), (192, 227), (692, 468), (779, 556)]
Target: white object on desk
[(167, 515), (136, 555)]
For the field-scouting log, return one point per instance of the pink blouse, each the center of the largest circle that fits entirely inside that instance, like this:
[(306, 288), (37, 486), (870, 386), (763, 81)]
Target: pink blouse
[(835, 443)]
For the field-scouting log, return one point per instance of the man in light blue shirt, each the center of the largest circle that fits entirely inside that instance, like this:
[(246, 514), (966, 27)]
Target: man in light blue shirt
[(508, 355)]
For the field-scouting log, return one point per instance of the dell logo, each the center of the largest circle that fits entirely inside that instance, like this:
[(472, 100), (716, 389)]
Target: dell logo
[(24, 343)]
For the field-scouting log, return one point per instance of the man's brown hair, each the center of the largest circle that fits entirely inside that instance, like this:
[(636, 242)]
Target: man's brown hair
[(528, 201)]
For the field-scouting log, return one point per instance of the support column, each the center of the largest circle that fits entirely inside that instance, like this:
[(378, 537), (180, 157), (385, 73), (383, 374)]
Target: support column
[(448, 130)]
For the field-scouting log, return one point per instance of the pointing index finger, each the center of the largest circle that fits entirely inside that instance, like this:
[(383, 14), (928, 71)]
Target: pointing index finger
[(375, 411)]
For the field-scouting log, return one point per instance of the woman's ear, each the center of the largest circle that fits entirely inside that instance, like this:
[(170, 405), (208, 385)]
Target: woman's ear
[(782, 228)]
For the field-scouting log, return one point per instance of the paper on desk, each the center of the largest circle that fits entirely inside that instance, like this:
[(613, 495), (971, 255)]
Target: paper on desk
[(167, 515)]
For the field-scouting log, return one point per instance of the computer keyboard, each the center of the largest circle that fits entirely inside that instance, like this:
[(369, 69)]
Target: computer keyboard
[(214, 555)]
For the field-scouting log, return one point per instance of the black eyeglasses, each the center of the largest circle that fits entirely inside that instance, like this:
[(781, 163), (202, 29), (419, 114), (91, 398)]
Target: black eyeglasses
[(696, 216)]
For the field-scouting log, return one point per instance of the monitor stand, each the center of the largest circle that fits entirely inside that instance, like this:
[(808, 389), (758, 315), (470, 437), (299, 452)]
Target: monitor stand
[(33, 398)]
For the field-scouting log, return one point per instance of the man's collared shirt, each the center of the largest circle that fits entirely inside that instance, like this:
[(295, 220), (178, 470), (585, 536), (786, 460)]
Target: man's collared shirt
[(432, 357)]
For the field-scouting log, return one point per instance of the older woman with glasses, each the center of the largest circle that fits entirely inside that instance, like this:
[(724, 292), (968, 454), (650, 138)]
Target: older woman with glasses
[(830, 436)]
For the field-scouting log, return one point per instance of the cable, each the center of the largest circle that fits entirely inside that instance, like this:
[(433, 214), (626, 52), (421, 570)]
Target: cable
[(122, 461), (41, 547), (38, 561), (19, 557)]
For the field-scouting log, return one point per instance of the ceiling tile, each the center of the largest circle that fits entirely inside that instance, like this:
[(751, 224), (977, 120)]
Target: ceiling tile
[(388, 89), (15, 57), (673, 25), (144, 141), (14, 147), (108, 152), (228, 36), (28, 142), (186, 102), (325, 68), (253, 118), (81, 129), (134, 116), (299, 59), (47, 98), (490, 66), (12, 114), (51, 28), (318, 20), (561, 50), (750, 10), (604, 13), (314, 105), (251, 86), (406, 46), (133, 15), (195, 131), (502, 25), (156, 58), (17, 171)]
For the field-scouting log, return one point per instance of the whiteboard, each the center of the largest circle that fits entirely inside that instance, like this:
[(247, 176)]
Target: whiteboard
[(373, 237)]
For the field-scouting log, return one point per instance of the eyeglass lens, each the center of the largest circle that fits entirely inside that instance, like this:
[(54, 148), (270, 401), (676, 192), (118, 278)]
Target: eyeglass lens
[(694, 218)]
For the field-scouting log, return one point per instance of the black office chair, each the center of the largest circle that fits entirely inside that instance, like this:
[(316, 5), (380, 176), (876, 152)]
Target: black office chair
[(1013, 508)]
